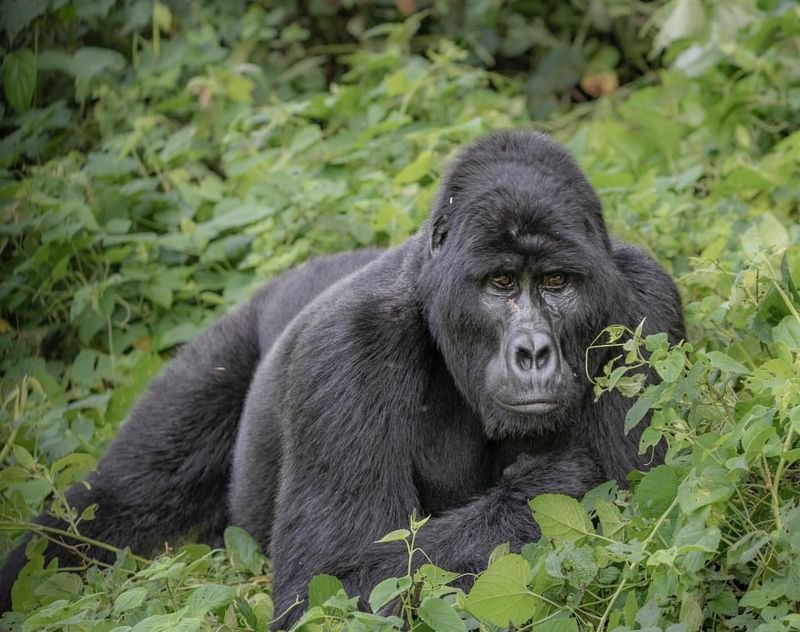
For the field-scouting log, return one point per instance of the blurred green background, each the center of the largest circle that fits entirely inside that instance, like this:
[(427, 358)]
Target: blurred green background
[(159, 160)]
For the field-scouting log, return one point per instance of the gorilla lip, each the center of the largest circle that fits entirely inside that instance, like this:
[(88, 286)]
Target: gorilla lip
[(533, 406)]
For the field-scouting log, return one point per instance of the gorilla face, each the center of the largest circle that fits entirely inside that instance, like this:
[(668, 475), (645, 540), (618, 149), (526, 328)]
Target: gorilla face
[(519, 282)]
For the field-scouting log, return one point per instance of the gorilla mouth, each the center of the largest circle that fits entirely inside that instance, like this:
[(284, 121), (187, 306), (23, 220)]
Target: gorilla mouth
[(529, 407)]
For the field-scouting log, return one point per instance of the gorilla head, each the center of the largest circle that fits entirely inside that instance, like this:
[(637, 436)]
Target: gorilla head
[(520, 279)]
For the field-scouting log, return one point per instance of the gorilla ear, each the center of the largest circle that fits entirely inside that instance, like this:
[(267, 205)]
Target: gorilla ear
[(438, 233)]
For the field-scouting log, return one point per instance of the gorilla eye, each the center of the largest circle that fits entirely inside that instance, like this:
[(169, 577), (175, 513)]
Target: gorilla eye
[(503, 281), (554, 281)]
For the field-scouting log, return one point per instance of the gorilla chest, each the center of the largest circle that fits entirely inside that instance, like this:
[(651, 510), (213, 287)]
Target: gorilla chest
[(451, 464), (454, 462)]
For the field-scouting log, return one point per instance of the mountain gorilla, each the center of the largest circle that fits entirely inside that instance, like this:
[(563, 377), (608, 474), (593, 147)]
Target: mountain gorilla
[(444, 376)]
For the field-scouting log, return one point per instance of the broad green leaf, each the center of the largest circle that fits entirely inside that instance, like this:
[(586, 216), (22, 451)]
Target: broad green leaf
[(19, 78), (610, 517), (15, 15), (440, 616), (501, 595), (709, 487), (416, 170), (243, 550), (788, 332), (561, 517), (23, 457), (89, 62), (656, 491), (724, 362), (745, 549), (321, 587), (209, 597), (387, 590), (129, 599)]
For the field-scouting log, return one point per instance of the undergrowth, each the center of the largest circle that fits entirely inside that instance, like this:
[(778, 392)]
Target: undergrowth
[(159, 160)]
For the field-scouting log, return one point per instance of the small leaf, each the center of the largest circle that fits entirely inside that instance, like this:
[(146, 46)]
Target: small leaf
[(162, 17), (19, 78), (685, 18), (23, 457), (434, 575), (561, 517), (636, 412), (394, 536)]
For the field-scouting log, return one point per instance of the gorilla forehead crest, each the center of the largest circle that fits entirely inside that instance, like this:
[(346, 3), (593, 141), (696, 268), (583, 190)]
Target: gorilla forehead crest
[(521, 184)]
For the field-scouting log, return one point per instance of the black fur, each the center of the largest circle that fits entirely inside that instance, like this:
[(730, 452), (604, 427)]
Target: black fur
[(360, 387)]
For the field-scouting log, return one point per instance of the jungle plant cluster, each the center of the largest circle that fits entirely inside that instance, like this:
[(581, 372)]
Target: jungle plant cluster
[(160, 160)]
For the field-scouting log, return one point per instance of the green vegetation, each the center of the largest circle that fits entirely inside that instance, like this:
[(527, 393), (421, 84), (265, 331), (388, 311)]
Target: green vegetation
[(158, 160)]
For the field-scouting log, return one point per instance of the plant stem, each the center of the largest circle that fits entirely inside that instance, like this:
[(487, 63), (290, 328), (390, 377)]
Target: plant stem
[(624, 581)]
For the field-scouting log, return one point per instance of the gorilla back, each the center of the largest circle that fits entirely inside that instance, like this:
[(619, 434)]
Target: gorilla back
[(444, 376)]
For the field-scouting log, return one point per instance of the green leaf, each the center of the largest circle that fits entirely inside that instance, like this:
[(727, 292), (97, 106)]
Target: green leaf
[(394, 536), (209, 597), (23, 457), (724, 362), (558, 625), (788, 332), (685, 18), (691, 613), (15, 15), (435, 575), (89, 62), (440, 616), (243, 550), (416, 170), (790, 270), (656, 491), (636, 412), (19, 78), (387, 590), (130, 599), (500, 595), (321, 587), (610, 518), (745, 549), (561, 517)]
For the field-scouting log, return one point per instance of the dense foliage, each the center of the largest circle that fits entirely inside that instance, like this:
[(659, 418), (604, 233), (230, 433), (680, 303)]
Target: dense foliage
[(159, 159)]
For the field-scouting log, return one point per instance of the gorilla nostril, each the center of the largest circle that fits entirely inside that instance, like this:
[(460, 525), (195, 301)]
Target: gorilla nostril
[(542, 357), (524, 359)]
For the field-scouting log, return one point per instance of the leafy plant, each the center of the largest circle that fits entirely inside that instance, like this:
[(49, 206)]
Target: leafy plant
[(159, 159)]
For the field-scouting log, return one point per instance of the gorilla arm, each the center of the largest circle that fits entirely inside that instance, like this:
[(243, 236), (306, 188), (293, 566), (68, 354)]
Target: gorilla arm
[(323, 529)]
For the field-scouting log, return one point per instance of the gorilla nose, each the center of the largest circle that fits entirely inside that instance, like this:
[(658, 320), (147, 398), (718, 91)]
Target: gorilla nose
[(533, 351)]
